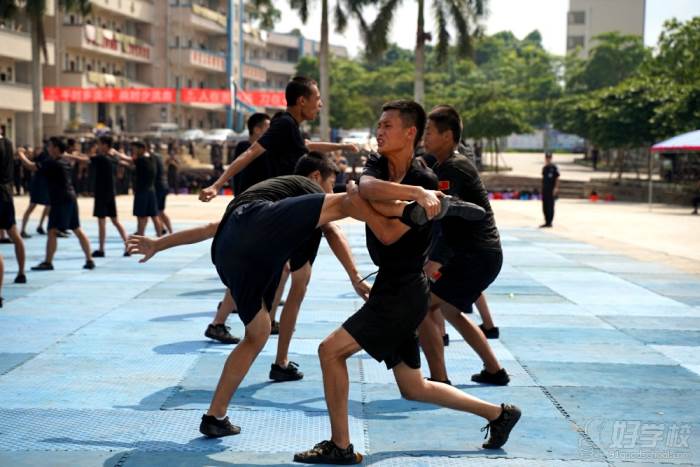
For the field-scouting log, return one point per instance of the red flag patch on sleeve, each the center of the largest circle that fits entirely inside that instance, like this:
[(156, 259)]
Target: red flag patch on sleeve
[(444, 185)]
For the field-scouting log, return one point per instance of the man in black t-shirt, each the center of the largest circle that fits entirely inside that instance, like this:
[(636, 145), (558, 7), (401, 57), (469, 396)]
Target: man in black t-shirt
[(104, 161), (7, 205), (385, 327), (465, 257), (550, 189), (282, 143), (256, 171), (64, 205)]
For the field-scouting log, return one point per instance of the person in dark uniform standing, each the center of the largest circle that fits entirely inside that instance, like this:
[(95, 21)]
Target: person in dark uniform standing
[(7, 205), (64, 205), (38, 195), (103, 164), (161, 186), (145, 201), (550, 189), (256, 171), (465, 258), (385, 327)]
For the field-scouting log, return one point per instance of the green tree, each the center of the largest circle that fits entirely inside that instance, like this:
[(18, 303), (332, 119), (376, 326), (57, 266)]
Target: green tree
[(495, 119)]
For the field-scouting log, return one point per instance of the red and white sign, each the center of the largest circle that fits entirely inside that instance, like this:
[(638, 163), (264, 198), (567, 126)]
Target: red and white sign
[(260, 98), (206, 96), (110, 95)]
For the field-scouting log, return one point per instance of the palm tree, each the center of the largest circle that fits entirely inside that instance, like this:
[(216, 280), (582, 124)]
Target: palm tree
[(464, 15), (343, 9), (35, 10)]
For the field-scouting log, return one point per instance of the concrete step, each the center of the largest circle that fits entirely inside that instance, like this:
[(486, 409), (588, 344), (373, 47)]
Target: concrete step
[(500, 182)]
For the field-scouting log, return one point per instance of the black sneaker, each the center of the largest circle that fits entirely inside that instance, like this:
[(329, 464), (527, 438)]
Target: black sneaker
[(43, 266), (212, 427), (290, 373), (126, 253), (5, 240), (219, 332), (98, 254), (20, 279), (446, 340), (0, 302), (25, 235), (326, 452), (450, 206), (89, 264), (447, 381), (40, 230), (275, 328), (545, 226), (499, 378), (492, 333), (501, 427)]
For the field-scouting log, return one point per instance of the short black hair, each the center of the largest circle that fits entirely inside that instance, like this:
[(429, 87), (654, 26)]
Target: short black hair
[(106, 140), (299, 86), (138, 144), (412, 114), (58, 142), (313, 161), (446, 117), (255, 120)]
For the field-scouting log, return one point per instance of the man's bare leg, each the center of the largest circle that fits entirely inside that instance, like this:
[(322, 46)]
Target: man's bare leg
[(102, 232), (290, 312), (25, 217), (280, 290), (44, 213), (120, 228), (165, 220), (239, 362), (482, 307), (225, 308), (19, 249), (141, 226), (432, 344), (84, 243), (51, 245)]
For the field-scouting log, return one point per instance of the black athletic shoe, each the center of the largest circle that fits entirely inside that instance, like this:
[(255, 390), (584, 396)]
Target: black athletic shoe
[(21, 279), (326, 452), (126, 253), (25, 235), (499, 378), (89, 264), (446, 340), (40, 230), (219, 332), (212, 427), (98, 254), (447, 381), (545, 226), (43, 266), (5, 240), (290, 373), (275, 328), (501, 427), (492, 333), (450, 206), (0, 302), (281, 303)]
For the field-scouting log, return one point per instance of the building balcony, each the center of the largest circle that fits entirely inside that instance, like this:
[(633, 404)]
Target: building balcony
[(277, 66), (93, 79), (18, 46), (199, 18), (254, 73), (199, 59), (104, 41), (137, 10), (18, 97)]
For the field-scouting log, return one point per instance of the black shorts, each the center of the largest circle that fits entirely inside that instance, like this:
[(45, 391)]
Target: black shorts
[(145, 204), (466, 276), (385, 326), (64, 216), (105, 206), (256, 241), (39, 190), (7, 213), (160, 199), (307, 253)]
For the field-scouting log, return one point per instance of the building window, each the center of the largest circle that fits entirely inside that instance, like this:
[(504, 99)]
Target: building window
[(189, 83), (573, 42), (71, 67), (577, 17)]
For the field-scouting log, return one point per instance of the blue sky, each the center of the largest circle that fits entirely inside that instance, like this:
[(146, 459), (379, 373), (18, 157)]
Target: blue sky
[(518, 16)]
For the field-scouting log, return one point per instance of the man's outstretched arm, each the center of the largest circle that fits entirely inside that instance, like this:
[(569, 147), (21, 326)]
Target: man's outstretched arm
[(374, 189), (240, 163), (148, 246)]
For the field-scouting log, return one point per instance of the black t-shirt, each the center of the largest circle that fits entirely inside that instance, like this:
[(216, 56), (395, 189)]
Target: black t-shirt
[(409, 253), (550, 174), (145, 174), (255, 172), (283, 144), (103, 167), (58, 177), (161, 182), (459, 177), (7, 169), (272, 189)]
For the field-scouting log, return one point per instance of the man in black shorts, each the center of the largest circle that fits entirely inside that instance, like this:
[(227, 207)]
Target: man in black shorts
[(145, 202), (64, 205), (7, 205), (385, 327), (103, 163), (259, 232), (466, 256)]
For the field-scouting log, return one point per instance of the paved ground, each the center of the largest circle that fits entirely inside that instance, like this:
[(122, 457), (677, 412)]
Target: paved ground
[(110, 367)]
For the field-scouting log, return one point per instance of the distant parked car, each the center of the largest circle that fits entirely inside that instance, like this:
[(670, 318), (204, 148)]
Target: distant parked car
[(218, 135), (163, 130), (192, 135)]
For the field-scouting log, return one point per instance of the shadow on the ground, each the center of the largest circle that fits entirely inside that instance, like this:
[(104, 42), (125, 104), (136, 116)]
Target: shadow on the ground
[(186, 347), (197, 293), (183, 317)]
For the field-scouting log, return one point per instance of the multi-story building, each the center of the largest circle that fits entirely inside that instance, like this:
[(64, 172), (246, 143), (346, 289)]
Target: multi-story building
[(589, 18), (15, 75)]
